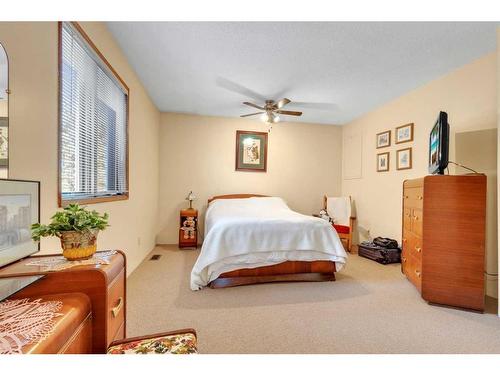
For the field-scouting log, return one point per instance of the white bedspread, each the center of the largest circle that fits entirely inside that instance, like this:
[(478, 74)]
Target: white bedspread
[(256, 232)]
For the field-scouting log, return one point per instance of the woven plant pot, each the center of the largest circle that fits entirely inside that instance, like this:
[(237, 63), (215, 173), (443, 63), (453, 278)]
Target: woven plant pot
[(79, 245)]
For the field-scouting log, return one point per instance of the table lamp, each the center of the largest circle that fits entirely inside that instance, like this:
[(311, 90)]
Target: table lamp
[(191, 197)]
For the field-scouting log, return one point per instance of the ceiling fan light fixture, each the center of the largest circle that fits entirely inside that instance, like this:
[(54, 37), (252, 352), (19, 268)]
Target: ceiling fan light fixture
[(270, 117)]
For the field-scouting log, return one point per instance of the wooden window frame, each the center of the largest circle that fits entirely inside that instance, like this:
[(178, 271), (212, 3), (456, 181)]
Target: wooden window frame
[(63, 202)]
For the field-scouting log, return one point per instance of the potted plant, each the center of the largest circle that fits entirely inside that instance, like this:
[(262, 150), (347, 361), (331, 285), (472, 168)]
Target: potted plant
[(76, 227)]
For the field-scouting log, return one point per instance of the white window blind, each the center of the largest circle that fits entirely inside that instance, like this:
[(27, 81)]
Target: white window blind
[(93, 123)]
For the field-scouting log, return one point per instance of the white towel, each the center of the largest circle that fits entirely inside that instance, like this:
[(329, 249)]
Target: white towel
[(339, 209)]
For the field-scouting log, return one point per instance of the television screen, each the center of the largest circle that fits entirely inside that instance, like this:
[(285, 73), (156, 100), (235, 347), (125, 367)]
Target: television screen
[(434, 141), (438, 145)]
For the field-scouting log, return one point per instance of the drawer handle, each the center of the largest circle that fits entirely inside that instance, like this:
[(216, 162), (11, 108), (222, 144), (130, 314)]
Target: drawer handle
[(415, 217), (406, 196), (404, 259), (417, 272), (116, 310), (419, 249), (404, 240), (420, 197)]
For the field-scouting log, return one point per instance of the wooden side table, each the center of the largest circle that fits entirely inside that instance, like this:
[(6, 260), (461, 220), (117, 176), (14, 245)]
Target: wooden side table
[(188, 228), (104, 284)]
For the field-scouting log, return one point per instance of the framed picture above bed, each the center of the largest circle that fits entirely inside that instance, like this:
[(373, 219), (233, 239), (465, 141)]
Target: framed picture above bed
[(251, 151)]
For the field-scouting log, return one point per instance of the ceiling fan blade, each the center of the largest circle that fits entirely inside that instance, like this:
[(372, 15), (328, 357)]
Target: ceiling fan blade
[(317, 105), (254, 105), (252, 114), (289, 113), (282, 103), (239, 89)]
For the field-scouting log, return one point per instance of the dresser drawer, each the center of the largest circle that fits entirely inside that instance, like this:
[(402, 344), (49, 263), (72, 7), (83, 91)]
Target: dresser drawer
[(407, 215), (415, 248), (414, 272), (417, 222), (405, 243), (81, 341), (120, 334), (413, 197), (115, 306), (404, 262)]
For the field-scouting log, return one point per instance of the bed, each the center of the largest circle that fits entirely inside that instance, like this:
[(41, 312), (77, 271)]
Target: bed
[(252, 238)]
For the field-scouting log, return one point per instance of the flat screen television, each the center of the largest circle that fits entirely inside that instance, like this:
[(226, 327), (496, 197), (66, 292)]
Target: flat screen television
[(439, 144)]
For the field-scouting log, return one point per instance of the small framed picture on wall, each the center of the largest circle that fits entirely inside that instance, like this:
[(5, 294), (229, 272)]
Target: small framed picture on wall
[(404, 133), (403, 159), (384, 139), (251, 151), (383, 162)]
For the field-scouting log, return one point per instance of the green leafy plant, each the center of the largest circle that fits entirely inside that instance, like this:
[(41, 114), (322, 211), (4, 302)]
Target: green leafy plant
[(71, 218)]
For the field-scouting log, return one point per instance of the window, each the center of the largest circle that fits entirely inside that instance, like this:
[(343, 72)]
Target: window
[(93, 121)]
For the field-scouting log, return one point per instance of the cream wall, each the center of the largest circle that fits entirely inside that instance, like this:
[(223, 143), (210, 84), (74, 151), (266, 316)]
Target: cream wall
[(3, 107), (198, 153), (468, 95), (32, 50)]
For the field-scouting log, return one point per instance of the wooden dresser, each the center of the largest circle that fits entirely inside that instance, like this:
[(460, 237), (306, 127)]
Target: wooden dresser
[(105, 285), (72, 332), (444, 225)]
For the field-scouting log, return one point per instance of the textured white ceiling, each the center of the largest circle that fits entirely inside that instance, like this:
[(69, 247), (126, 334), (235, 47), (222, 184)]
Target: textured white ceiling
[(188, 67)]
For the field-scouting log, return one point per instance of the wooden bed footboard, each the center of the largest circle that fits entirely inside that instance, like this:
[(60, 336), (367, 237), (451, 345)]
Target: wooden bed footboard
[(320, 270)]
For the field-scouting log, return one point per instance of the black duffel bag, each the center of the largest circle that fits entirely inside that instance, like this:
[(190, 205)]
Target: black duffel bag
[(380, 254), (386, 243)]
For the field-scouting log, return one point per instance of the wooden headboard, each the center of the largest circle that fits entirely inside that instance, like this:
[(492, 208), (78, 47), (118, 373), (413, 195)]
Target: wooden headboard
[(235, 196)]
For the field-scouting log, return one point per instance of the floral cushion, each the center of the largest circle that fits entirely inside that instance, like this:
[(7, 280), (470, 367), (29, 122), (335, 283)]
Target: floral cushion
[(173, 344)]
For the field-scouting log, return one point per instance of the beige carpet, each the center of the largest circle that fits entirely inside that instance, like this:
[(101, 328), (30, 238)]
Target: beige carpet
[(369, 309)]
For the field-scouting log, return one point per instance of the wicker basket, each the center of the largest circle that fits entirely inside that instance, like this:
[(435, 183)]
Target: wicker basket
[(79, 245)]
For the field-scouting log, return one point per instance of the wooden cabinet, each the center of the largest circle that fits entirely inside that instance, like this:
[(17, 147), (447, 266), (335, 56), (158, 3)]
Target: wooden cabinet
[(72, 331), (188, 228), (443, 240), (104, 284)]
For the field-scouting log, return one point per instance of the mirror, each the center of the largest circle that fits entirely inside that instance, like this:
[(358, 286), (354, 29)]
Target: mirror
[(4, 113)]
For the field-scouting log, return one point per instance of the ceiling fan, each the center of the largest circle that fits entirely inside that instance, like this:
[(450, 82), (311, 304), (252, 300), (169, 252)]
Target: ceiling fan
[(271, 110)]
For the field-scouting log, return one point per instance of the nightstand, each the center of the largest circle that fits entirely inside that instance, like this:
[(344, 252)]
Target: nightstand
[(188, 228)]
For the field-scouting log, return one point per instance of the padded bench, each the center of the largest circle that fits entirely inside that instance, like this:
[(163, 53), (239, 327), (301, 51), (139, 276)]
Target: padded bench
[(183, 341)]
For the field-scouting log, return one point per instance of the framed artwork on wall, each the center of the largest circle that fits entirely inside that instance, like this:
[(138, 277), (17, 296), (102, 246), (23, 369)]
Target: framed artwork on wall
[(403, 159), (383, 162), (404, 133), (251, 151), (19, 209), (384, 139)]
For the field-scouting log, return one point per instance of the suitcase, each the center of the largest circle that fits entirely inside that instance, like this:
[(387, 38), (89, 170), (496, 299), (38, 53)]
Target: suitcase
[(379, 254)]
